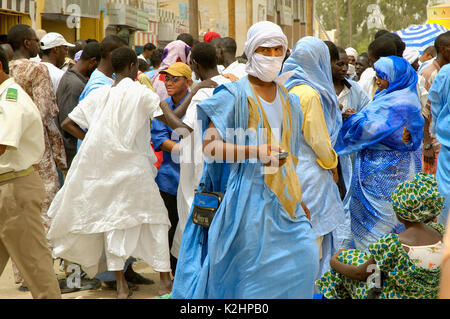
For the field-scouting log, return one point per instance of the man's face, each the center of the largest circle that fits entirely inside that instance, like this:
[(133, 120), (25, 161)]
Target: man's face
[(61, 54), (361, 65), (148, 53), (176, 85), (425, 57), (340, 68), (351, 59), (382, 84), (273, 51), (32, 44)]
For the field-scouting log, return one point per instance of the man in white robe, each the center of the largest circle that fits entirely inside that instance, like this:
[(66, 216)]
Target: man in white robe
[(109, 208)]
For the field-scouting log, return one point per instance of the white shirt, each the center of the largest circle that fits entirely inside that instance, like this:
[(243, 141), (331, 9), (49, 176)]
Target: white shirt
[(343, 98), (21, 129), (274, 112), (191, 162), (55, 74), (237, 69)]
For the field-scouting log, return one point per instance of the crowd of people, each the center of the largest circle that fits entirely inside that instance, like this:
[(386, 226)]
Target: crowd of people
[(312, 172)]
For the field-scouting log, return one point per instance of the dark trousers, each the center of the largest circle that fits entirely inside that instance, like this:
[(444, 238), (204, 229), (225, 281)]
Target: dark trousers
[(341, 183), (170, 201)]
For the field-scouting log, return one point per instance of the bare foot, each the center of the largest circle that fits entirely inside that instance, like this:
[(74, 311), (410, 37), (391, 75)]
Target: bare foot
[(123, 292), (164, 289)]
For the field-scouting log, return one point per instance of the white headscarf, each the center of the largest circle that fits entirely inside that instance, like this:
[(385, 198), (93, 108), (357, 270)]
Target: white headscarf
[(266, 34), (352, 52), (411, 54)]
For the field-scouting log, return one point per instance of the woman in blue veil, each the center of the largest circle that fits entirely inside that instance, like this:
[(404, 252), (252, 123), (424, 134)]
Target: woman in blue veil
[(387, 137)]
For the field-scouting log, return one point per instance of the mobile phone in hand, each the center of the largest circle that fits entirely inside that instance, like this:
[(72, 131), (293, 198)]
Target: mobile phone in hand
[(283, 156)]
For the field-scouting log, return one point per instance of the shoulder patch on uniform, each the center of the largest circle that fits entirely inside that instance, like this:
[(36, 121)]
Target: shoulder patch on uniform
[(11, 95)]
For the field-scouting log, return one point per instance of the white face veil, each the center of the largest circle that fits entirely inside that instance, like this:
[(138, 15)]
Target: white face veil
[(264, 34)]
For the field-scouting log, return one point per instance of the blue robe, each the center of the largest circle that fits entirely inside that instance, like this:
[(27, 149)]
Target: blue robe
[(254, 248), (310, 63), (383, 160), (440, 108), (357, 99)]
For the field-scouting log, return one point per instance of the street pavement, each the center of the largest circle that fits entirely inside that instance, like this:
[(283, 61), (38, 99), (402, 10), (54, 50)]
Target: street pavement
[(9, 290)]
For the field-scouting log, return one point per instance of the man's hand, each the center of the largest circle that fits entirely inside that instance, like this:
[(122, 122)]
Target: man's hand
[(267, 155), (231, 77), (348, 113), (406, 136), (429, 155), (334, 259)]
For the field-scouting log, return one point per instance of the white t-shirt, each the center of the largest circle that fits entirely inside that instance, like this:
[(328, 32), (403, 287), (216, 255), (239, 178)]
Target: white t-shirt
[(191, 162), (55, 74), (274, 112)]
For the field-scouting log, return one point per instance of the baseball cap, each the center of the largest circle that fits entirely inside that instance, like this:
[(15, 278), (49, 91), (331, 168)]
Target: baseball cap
[(179, 69), (53, 40)]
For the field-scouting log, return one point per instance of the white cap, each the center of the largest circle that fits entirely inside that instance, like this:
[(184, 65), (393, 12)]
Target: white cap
[(411, 54), (53, 40)]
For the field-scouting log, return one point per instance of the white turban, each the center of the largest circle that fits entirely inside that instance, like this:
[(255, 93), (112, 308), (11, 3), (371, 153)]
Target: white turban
[(265, 34), (352, 52), (411, 54)]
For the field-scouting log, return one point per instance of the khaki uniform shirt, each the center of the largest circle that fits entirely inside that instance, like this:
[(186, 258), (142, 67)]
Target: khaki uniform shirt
[(21, 129)]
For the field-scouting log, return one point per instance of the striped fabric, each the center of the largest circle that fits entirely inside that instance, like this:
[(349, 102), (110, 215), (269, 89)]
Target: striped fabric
[(15, 5), (421, 36), (141, 38)]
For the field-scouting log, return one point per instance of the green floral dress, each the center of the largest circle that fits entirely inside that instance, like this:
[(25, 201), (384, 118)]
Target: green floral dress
[(403, 279)]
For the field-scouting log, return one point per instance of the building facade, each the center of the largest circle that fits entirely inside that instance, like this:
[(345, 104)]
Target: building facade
[(157, 21), (15, 12)]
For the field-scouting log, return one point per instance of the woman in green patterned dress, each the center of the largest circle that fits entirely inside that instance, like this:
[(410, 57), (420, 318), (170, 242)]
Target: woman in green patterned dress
[(409, 262)]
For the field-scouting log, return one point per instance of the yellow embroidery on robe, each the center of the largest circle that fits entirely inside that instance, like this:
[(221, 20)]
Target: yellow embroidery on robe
[(284, 181)]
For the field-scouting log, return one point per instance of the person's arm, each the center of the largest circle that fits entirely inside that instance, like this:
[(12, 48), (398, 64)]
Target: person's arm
[(172, 117), (428, 150), (73, 129), (359, 273), (215, 148), (2, 149), (170, 147)]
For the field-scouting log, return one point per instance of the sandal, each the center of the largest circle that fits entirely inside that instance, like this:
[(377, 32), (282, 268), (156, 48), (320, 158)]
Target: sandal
[(166, 296), (64, 289)]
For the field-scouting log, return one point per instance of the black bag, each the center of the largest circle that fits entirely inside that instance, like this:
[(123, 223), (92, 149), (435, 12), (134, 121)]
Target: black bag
[(205, 205)]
